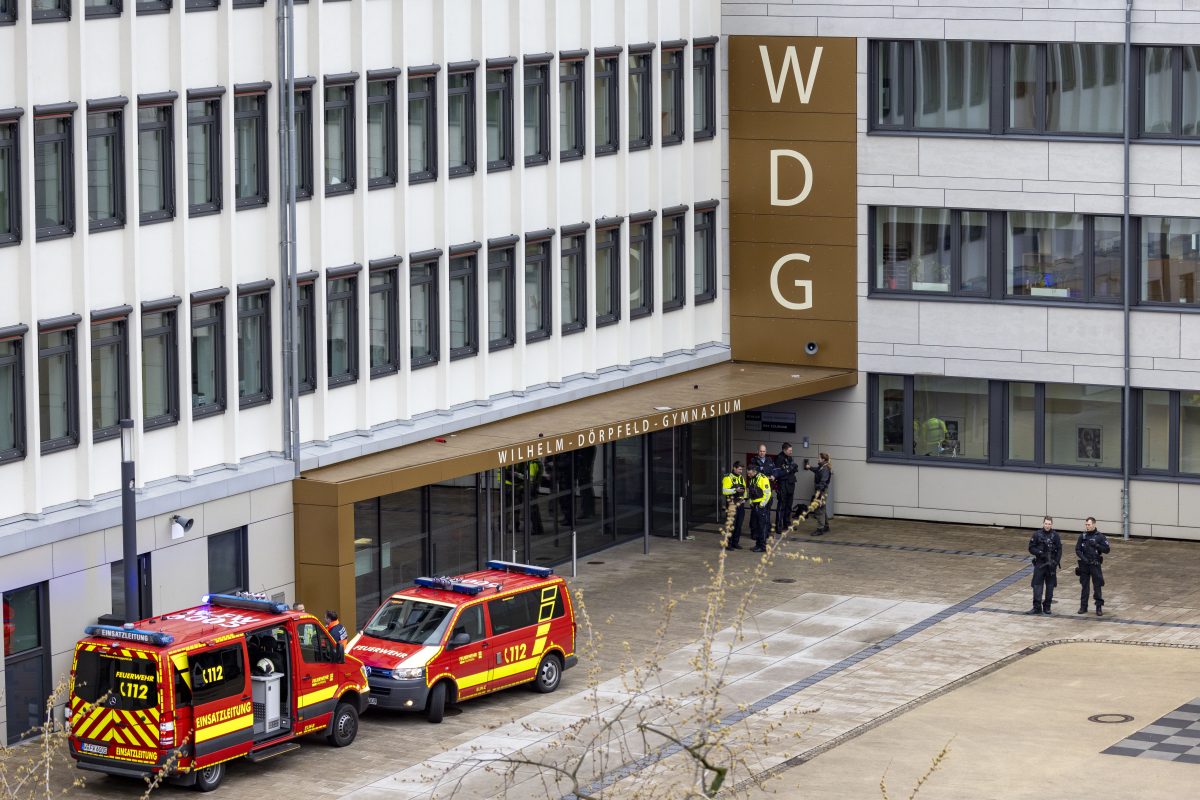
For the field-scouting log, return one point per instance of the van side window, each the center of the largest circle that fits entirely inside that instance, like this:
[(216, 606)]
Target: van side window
[(470, 621), (513, 612), (315, 645), (218, 674)]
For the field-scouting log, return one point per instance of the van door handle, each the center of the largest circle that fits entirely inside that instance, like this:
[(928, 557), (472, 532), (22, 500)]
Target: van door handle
[(306, 677)]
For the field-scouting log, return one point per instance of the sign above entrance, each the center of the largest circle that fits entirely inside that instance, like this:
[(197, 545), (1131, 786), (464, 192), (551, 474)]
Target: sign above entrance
[(793, 175), (771, 421)]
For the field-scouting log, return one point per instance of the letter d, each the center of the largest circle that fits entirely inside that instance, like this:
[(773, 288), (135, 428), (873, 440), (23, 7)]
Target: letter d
[(776, 200)]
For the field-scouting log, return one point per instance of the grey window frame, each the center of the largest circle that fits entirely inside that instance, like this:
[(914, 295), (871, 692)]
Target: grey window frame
[(423, 271), (574, 83), (704, 68), (263, 195), (211, 120), (1139, 268), (1138, 72), (428, 92), (675, 235), (169, 333), (349, 296), (263, 315), (465, 264), (390, 290), (1089, 263), (1137, 444), (346, 84), (217, 323), (607, 68), (500, 81), (640, 65), (470, 147), (111, 8), (61, 13), (71, 350), (66, 169), (704, 219), (146, 7), (116, 134), (166, 155), (303, 104), (608, 245), (10, 140), (121, 342), (239, 537), (306, 329), (575, 243), (671, 69), (501, 262), (641, 234), (8, 12), (201, 5), (540, 262), (391, 141), (16, 336), (540, 71)]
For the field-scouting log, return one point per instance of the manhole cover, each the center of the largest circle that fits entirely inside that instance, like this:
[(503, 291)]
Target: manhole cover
[(595, 562), (1110, 719), (783, 580)]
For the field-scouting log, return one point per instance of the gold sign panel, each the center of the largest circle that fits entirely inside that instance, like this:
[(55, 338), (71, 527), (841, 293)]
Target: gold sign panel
[(793, 175)]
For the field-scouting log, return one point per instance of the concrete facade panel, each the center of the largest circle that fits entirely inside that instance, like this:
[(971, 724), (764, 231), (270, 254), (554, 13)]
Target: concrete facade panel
[(988, 326), (978, 491), (1077, 497), (79, 553), (270, 553), (76, 601), (1085, 330), (1157, 502), (975, 158), (180, 576)]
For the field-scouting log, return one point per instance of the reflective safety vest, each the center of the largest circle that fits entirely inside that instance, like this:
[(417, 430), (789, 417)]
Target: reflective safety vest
[(931, 433), (764, 484), (730, 481)]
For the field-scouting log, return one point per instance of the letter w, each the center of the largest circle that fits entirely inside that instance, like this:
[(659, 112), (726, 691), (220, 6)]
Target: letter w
[(790, 62)]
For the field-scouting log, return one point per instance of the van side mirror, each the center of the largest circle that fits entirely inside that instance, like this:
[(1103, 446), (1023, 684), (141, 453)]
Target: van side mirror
[(459, 639)]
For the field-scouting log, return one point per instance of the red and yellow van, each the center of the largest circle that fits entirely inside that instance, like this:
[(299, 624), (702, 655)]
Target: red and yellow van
[(187, 692), (450, 639)]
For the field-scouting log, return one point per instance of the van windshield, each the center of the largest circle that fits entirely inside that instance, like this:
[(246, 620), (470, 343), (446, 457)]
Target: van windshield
[(131, 684), (409, 621)]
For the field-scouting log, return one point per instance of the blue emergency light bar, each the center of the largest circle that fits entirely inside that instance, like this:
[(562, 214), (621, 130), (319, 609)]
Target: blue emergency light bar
[(247, 603), (156, 638), (449, 585), (527, 569)]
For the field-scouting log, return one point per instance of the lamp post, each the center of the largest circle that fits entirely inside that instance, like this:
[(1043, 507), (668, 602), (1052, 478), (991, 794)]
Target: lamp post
[(129, 523)]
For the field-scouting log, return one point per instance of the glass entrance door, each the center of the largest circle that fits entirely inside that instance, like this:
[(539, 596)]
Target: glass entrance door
[(668, 481), (707, 458)]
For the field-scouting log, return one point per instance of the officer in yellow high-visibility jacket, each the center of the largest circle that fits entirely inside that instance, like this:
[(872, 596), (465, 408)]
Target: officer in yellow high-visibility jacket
[(758, 493), (733, 491)]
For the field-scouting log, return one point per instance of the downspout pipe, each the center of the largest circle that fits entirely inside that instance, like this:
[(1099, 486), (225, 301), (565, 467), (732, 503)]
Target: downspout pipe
[(293, 311), (1127, 280), (285, 64)]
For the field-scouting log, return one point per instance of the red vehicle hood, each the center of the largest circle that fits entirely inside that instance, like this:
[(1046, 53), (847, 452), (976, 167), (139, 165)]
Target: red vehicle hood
[(389, 655)]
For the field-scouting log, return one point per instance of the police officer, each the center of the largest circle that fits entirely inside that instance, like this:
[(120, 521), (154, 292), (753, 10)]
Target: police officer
[(822, 476), (1046, 548), (1090, 549), (733, 491), (758, 492), (785, 482), (766, 468)]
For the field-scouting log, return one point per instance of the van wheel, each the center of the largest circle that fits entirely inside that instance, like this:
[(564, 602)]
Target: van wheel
[(210, 778), (435, 708), (549, 674), (344, 725)]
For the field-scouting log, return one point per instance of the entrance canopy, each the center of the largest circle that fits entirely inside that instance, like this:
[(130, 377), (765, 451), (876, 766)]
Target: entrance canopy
[(693, 396)]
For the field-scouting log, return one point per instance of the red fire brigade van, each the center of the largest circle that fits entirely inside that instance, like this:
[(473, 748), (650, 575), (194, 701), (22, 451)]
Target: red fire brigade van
[(449, 639), (186, 692)]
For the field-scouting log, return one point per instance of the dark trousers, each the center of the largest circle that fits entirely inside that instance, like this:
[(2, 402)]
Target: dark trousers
[(760, 524), (735, 535), (783, 511), (1090, 573), (1044, 580)]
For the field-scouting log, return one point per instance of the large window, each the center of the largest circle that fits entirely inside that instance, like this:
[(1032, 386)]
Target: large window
[(26, 657), (930, 417), (339, 139), (607, 80), (208, 358), (110, 377), (254, 347), (250, 150), (571, 109), (674, 257), (704, 92), (460, 122), (106, 170), (537, 289), (499, 118), (422, 129), (1082, 427), (58, 390), (204, 156), (608, 273), (1064, 256), (537, 113), (641, 265), (1170, 92), (160, 370), (573, 280), (54, 196), (156, 163), (12, 400), (227, 562), (641, 130), (704, 253), (384, 333), (10, 185), (930, 250), (341, 306), (464, 339), (306, 337), (1169, 252), (423, 312), (381, 133), (672, 115), (303, 124), (501, 291)]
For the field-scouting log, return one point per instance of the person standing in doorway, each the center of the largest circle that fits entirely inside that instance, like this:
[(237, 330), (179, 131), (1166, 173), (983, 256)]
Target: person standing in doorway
[(785, 481), (1090, 549), (733, 493), (758, 493), (1046, 548), (822, 477)]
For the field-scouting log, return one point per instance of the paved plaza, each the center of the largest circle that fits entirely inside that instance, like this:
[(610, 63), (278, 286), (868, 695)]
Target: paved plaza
[(884, 643)]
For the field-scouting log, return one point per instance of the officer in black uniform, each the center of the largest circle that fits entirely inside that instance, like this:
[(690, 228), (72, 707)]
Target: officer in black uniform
[(1090, 550), (785, 483), (766, 468), (1046, 548)]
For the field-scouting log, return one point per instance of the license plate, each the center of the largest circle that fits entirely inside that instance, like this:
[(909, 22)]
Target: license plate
[(96, 749), (372, 701)]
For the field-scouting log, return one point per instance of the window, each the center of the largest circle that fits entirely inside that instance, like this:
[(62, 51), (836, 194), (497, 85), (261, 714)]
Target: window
[(227, 562), (316, 647), (160, 370), (500, 292), (460, 123), (217, 674), (674, 258), (153, 6), (8, 12), (106, 170), (608, 275), (58, 390), (303, 124), (339, 139), (571, 110), (932, 85), (10, 186), (423, 313), (463, 338), (208, 359), (573, 282), (537, 290), (537, 114), (930, 251), (1065, 88), (44, 10), (422, 129), (156, 163), (201, 5), (110, 377), (12, 400), (204, 156), (931, 417), (470, 622), (704, 92), (384, 332), (1170, 92), (672, 96), (341, 306), (250, 150), (1082, 428), (704, 254), (254, 348), (116, 581), (1169, 256), (641, 134), (381, 133), (608, 105), (306, 339), (1064, 256), (53, 176), (26, 657), (641, 267), (499, 119)]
